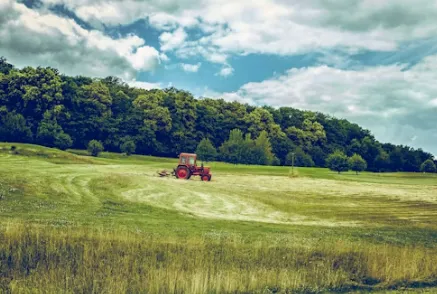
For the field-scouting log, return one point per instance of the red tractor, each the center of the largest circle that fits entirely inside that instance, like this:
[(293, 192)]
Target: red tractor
[(187, 167)]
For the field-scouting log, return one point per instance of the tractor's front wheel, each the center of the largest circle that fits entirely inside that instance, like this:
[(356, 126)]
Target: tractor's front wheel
[(206, 178), (183, 172)]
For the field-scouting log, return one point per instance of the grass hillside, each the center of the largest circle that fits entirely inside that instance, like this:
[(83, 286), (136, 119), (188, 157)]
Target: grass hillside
[(71, 223), (50, 154)]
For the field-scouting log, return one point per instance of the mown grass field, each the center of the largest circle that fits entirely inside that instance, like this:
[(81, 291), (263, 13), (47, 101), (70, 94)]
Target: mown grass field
[(70, 223)]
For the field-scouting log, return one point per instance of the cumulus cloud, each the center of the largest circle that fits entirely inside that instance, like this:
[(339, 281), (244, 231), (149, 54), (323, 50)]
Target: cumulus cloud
[(191, 67), (170, 41), (226, 71), (279, 27), (35, 37), (395, 103), (116, 12), (144, 85)]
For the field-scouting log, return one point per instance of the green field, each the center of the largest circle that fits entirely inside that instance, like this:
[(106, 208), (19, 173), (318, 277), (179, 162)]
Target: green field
[(70, 223)]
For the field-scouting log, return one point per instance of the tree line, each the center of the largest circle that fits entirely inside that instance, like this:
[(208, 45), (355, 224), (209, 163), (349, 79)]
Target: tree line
[(42, 106)]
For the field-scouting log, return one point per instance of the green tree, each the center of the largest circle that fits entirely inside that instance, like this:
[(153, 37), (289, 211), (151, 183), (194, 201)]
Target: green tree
[(263, 149), (396, 158), (63, 141), (247, 151), (231, 150), (128, 147), (357, 163), (354, 147), (428, 166), (300, 158), (50, 133), (382, 161), (370, 150), (258, 120), (337, 161), (95, 147), (157, 117), (281, 144), (5, 67), (276, 161), (248, 154), (206, 151), (312, 133), (164, 122), (97, 93), (14, 128), (318, 155)]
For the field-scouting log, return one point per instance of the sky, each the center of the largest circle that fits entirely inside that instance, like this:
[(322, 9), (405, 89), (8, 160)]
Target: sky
[(373, 62)]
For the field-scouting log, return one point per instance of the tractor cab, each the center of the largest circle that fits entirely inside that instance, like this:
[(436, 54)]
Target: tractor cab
[(188, 159), (187, 167)]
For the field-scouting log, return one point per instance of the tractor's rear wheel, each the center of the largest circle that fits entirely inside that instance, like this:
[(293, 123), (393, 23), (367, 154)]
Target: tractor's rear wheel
[(206, 178), (183, 172)]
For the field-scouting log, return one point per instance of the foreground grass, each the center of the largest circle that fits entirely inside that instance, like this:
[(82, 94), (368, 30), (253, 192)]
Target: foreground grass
[(73, 224), (91, 261)]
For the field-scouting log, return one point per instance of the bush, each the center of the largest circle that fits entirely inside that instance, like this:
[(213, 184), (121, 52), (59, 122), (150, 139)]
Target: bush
[(206, 151), (337, 161), (276, 161), (95, 147), (300, 158), (128, 147), (428, 166), (357, 163), (63, 141)]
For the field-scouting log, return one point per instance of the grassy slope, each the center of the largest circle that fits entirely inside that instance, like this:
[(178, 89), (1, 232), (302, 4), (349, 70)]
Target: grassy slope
[(373, 216)]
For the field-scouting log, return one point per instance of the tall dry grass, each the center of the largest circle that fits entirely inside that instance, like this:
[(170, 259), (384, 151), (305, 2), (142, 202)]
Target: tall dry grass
[(79, 260)]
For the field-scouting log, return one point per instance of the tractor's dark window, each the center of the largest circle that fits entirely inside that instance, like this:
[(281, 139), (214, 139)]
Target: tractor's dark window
[(183, 160), (191, 160)]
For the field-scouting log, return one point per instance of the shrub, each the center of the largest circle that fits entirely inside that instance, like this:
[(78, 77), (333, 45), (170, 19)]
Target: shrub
[(276, 161), (95, 147), (428, 166), (337, 161), (128, 147), (206, 151), (63, 141), (357, 163), (300, 158)]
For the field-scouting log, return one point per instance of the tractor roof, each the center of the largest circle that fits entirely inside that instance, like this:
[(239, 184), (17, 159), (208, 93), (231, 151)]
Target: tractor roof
[(188, 154)]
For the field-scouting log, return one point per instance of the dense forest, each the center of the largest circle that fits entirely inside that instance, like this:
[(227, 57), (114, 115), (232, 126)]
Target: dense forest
[(42, 106)]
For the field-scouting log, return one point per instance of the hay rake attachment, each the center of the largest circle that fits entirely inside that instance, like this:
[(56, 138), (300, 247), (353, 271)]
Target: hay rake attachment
[(165, 173)]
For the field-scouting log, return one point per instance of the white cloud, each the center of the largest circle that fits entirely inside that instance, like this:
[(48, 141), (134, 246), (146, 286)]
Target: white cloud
[(193, 49), (396, 104), (32, 37), (144, 85), (283, 27), (216, 57), (163, 57), (170, 41), (116, 12), (226, 71), (166, 21), (191, 67), (144, 58)]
